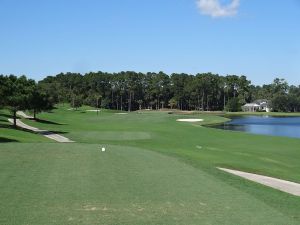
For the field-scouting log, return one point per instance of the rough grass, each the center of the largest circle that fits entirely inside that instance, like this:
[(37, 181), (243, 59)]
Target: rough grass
[(155, 171)]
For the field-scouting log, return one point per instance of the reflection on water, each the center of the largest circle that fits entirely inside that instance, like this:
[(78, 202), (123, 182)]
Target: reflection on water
[(266, 125)]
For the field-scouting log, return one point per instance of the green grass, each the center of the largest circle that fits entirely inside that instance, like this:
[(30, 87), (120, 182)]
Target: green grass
[(76, 184), (159, 131), (9, 134), (155, 171)]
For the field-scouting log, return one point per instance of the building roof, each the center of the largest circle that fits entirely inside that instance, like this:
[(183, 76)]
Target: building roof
[(258, 103), (251, 105)]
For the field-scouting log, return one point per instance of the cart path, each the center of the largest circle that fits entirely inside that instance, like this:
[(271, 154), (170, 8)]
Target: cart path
[(21, 113), (282, 185), (46, 133)]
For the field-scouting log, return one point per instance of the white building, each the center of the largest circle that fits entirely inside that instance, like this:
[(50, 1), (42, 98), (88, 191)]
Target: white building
[(261, 105)]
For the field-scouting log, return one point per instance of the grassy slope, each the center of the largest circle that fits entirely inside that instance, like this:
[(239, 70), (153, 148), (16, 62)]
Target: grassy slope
[(8, 134), (70, 173)]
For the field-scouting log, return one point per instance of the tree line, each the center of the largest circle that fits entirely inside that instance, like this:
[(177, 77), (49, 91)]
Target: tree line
[(133, 91), (20, 93)]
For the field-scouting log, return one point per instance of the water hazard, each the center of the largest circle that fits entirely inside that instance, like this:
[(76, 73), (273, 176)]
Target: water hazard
[(265, 125)]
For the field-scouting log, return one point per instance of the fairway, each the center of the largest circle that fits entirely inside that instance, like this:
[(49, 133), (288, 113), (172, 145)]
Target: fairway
[(77, 184), (155, 170), (150, 112)]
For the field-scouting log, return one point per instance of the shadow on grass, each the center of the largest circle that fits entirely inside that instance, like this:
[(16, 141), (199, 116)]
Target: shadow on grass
[(3, 140), (4, 124), (5, 115), (57, 132), (47, 132), (11, 127), (8, 126), (47, 122), (39, 132)]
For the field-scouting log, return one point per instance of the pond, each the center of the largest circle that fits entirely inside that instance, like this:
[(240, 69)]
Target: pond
[(266, 125)]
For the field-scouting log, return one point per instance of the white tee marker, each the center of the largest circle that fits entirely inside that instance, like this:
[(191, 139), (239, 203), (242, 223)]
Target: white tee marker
[(103, 149)]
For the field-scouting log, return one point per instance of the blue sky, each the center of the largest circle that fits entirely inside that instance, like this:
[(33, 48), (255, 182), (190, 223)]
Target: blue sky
[(256, 38)]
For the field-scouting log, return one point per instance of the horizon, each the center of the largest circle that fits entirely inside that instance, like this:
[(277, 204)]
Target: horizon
[(257, 39)]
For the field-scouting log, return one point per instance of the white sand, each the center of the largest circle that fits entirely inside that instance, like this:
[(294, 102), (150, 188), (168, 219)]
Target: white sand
[(282, 185), (190, 120), (121, 113)]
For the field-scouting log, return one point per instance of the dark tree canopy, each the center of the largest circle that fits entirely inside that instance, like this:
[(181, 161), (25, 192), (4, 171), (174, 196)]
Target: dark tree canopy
[(39, 101), (20, 93), (133, 91)]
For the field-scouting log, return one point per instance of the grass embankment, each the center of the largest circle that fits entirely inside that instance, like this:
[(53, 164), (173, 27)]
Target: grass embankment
[(9, 134), (128, 184)]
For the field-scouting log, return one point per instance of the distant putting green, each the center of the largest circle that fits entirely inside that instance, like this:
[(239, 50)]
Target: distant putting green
[(155, 170)]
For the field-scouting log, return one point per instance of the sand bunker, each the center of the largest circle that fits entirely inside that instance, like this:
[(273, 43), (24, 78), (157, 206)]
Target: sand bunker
[(121, 113), (190, 120)]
